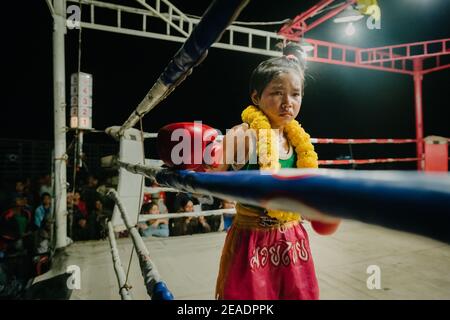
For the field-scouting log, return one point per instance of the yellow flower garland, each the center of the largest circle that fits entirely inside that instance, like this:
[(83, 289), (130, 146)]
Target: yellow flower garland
[(267, 149)]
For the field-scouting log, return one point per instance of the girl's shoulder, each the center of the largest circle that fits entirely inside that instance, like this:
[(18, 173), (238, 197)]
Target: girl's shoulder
[(241, 129)]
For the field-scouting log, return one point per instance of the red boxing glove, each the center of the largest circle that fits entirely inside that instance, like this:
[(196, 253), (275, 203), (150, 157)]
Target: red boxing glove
[(182, 145), (325, 229)]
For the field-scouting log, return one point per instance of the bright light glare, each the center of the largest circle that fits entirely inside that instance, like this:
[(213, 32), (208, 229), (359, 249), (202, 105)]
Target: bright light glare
[(350, 29)]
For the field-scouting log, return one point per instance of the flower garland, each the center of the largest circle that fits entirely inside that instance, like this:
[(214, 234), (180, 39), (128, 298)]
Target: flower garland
[(267, 149)]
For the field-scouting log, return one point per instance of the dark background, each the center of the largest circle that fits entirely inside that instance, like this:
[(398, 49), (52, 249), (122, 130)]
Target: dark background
[(339, 102)]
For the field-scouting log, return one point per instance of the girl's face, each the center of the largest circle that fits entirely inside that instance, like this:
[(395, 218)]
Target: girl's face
[(280, 99)]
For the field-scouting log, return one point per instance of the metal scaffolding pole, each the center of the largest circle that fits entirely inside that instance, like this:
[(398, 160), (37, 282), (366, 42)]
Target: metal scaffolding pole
[(418, 97), (59, 102)]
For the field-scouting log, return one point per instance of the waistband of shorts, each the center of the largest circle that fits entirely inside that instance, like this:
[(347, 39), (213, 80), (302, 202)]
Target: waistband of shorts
[(257, 218)]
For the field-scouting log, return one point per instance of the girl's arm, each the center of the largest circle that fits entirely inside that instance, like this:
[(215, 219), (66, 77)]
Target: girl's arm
[(236, 146)]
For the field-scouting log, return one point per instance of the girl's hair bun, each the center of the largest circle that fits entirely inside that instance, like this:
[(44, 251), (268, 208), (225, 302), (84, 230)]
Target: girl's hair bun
[(294, 52)]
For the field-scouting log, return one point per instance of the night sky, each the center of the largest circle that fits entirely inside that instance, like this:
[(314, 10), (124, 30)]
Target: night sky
[(339, 102)]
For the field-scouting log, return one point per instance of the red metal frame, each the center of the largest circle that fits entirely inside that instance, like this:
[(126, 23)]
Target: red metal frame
[(366, 161), (381, 58), (361, 141), (407, 50), (439, 68), (418, 78), (348, 56), (295, 29)]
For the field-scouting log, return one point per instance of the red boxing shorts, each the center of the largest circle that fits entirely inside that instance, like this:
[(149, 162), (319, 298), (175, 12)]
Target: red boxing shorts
[(263, 259)]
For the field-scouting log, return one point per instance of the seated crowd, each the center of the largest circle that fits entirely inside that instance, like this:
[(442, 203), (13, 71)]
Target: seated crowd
[(186, 225), (27, 222)]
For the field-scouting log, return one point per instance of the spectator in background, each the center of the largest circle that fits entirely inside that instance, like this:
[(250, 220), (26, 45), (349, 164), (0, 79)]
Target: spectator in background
[(15, 235), (89, 192), (173, 199), (19, 189), (102, 189), (153, 227), (80, 204), (45, 185), (160, 198), (73, 207), (187, 225), (16, 246), (160, 202), (97, 221), (211, 203), (16, 221), (79, 216), (183, 225), (42, 247), (21, 192), (42, 237), (43, 211)]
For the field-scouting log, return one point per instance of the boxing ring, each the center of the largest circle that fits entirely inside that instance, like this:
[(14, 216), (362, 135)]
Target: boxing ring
[(414, 202), (412, 267)]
